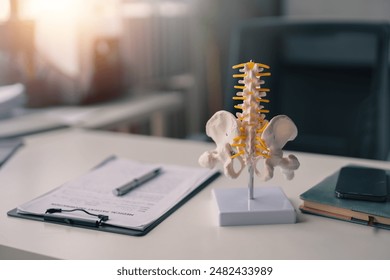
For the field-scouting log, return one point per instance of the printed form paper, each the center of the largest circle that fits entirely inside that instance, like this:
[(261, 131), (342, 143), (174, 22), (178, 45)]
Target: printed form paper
[(136, 209)]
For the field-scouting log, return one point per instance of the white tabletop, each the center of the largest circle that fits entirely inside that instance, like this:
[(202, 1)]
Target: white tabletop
[(191, 232)]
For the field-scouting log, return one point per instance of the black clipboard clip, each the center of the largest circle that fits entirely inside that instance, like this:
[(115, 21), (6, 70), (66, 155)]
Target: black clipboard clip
[(72, 220)]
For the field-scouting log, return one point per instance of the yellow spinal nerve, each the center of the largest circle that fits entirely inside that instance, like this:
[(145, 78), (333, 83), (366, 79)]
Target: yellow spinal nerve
[(249, 144)]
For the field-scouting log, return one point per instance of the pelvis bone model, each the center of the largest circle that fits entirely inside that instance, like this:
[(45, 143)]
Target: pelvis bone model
[(249, 137)]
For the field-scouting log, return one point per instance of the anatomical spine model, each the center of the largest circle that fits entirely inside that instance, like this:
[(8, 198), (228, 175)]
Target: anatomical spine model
[(249, 137)]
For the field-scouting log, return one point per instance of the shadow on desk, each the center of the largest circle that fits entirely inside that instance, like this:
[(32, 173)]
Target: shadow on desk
[(7, 253)]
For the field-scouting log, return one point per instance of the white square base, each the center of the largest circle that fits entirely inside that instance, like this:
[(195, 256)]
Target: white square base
[(269, 206)]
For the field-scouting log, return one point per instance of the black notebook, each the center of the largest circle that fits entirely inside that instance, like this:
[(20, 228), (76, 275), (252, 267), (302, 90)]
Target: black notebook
[(321, 200)]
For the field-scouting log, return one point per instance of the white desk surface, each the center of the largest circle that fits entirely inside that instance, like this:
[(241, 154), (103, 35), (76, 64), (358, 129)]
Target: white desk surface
[(48, 160)]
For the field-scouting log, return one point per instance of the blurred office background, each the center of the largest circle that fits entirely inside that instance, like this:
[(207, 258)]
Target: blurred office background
[(69, 52)]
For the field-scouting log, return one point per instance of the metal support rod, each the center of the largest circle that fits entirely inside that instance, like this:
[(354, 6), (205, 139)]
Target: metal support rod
[(250, 184)]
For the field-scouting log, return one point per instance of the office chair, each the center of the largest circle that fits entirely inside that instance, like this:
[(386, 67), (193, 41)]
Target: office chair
[(330, 78)]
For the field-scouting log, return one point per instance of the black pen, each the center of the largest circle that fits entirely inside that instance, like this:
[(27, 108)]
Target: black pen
[(136, 182)]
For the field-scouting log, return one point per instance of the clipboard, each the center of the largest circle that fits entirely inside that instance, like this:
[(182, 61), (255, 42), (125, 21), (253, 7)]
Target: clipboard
[(117, 229), (98, 224)]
